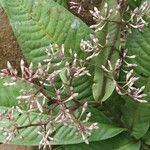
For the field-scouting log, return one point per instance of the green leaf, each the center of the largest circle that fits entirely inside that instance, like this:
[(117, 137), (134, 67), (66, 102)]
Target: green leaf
[(26, 136), (7, 100), (137, 116), (139, 44), (115, 103), (103, 86), (65, 135), (146, 138), (147, 90), (121, 142), (62, 3), (134, 3), (8, 94), (36, 24), (98, 116), (62, 136), (106, 131), (83, 86)]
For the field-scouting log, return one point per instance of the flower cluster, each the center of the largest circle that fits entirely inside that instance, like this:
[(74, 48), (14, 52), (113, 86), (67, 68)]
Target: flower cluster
[(137, 15), (126, 87), (91, 46), (136, 20), (101, 17), (77, 6), (64, 98)]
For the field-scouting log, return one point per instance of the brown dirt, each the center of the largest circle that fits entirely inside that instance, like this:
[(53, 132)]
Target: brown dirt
[(9, 48), (14, 147)]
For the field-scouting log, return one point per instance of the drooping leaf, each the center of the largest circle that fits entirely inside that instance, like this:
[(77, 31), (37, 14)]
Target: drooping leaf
[(103, 86)]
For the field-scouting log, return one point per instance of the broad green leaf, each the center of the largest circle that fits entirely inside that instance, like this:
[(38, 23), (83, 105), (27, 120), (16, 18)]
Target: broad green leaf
[(8, 98), (120, 142), (115, 103), (62, 136), (106, 130), (83, 86), (139, 44), (37, 24), (103, 86), (26, 136), (65, 135), (137, 117), (8, 94)]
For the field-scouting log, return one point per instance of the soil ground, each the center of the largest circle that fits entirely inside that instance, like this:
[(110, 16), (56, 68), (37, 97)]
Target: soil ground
[(9, 48), (13, 147), (86, 6)]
